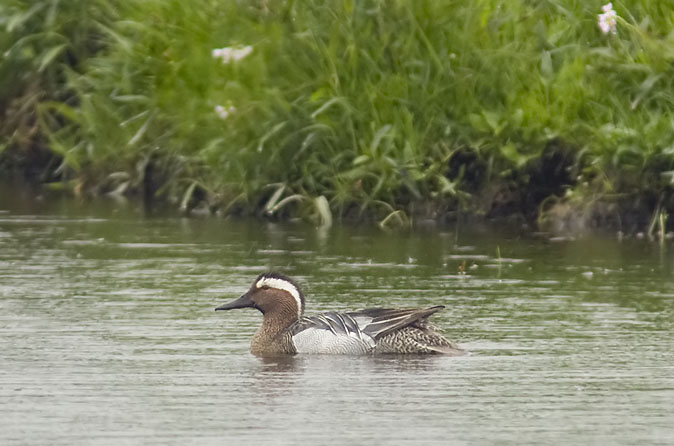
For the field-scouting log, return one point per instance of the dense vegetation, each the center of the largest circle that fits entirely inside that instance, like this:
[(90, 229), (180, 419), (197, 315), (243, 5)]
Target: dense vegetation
[(386, 109)]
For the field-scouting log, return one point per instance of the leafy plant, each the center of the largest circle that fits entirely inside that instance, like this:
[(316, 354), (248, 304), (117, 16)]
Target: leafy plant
[(382, 109)]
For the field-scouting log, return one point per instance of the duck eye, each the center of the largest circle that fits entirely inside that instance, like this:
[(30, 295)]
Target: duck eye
[(265, 287)]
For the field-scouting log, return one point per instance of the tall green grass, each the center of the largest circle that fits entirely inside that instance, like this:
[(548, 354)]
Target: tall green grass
[(382, 108), (40, 40)]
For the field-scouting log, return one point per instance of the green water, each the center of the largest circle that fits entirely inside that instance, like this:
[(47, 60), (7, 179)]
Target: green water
[(108, 334)]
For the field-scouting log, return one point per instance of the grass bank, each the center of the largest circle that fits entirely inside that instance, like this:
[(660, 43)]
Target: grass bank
[(385, 110)]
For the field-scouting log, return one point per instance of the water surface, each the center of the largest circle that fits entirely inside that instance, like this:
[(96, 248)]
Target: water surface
[(108, 334)]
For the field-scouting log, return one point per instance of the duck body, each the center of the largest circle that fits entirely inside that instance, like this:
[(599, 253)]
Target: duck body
[(285, 330)]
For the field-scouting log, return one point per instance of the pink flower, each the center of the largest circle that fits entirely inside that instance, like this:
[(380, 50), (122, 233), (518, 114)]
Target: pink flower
[(607, 20), (223, 113)]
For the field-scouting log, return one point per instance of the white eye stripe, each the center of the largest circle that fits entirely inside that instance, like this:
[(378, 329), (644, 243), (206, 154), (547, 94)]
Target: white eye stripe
[(284, 285)]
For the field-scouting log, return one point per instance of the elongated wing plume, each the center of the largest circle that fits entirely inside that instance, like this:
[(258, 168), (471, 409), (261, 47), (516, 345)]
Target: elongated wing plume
[(340, 324), (383, 321)]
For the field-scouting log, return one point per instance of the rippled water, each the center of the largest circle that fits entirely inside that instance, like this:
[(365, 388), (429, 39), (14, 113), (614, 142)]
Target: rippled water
[(108, 334)]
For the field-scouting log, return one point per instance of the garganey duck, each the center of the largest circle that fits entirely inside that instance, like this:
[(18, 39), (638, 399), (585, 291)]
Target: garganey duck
[(285, 330)]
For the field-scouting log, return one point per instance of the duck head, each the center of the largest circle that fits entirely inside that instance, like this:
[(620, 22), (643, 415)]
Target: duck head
[(271, 294)]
